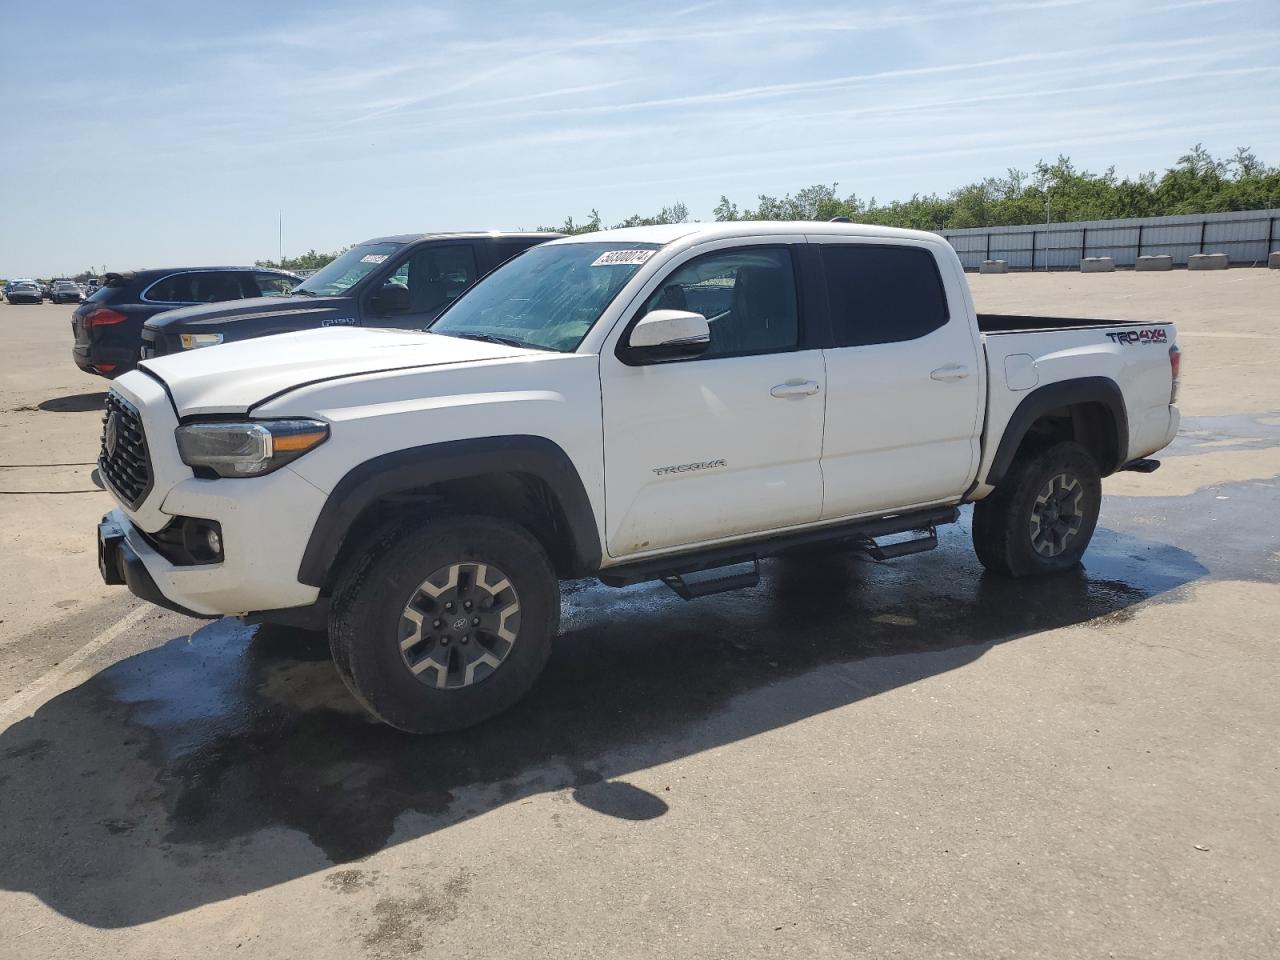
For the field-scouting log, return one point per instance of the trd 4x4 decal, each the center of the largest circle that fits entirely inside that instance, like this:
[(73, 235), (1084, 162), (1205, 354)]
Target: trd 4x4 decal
[(1151, 335)]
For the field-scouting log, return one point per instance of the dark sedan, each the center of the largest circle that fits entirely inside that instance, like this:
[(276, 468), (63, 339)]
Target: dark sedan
[(65, 291), (24, 293), (108, 326)]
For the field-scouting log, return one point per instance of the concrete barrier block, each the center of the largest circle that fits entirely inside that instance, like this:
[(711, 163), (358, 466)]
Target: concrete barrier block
[(1160, 261), (994, 266), (1097, 265), (1273, 260), (1207, 261)]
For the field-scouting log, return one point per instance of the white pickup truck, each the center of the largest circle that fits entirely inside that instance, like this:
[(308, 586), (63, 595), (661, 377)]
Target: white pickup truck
[(671, 402)]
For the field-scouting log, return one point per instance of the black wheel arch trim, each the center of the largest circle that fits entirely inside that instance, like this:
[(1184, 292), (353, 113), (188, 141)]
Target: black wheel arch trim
[(1053, 396), (417, 467)]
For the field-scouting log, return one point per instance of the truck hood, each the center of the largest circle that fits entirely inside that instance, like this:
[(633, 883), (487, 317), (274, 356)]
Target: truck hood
[(234, 377), (229, 311)]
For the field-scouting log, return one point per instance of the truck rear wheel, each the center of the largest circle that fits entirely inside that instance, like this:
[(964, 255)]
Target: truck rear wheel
[(447, 626), (1042, 516)]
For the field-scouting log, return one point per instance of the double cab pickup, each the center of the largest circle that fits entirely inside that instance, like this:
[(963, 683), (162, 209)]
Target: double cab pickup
[(659, 403)]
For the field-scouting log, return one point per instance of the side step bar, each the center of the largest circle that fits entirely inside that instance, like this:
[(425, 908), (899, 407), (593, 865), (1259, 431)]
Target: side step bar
[(860, 535), (1142, 466), (691, 586), (880, 552)]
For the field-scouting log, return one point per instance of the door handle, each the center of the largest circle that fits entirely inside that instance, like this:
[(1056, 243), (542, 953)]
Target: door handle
[(950, 373), (795, 388)]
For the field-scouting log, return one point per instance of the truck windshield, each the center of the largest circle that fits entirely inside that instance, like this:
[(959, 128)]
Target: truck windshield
[(547, 297), (344, 272)]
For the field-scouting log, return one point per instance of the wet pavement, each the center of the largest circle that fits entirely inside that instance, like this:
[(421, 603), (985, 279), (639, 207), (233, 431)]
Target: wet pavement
[(146, 790)]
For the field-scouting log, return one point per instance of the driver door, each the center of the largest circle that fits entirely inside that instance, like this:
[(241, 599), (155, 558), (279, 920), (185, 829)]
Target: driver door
[(728, 443)]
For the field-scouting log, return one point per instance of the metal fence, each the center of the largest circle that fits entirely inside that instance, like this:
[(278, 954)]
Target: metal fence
[(1246, 237)]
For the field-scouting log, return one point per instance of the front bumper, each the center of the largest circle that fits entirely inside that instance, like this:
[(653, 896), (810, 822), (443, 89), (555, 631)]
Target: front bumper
[(263, 548), (119, 564), (265, 524)]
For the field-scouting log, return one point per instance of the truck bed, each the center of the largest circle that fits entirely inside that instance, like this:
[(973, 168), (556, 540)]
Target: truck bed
[(1020, 323)]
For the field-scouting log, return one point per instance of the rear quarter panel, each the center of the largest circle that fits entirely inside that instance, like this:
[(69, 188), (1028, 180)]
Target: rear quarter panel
[(1134, 356)]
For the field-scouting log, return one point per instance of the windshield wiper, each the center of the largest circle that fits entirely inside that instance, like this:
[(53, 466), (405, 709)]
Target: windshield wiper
[(505, 341)]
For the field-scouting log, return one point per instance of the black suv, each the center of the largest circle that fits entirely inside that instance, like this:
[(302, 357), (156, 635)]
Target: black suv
[(401, 282), (108, 326)]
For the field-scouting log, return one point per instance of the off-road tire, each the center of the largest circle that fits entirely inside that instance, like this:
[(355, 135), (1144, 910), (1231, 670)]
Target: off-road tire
[(366, 621), (1004, 531)]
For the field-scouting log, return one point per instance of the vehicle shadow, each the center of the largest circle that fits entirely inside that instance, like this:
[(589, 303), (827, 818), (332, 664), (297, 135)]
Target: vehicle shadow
[(192, 772), (77, 403)]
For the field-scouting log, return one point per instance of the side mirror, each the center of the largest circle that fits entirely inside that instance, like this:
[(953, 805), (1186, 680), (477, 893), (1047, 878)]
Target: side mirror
[(392, 298), (663, 335)]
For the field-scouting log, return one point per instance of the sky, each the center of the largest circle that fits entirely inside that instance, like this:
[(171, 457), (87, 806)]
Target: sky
[(169, 133)]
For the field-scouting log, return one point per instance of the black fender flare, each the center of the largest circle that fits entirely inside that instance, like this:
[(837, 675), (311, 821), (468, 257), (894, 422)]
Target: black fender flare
[(417, 467), (1053, 396)]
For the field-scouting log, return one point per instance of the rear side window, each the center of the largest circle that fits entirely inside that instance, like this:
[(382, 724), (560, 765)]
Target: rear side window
[(171, 289), (504, 250), (882, 294), (196, 287)]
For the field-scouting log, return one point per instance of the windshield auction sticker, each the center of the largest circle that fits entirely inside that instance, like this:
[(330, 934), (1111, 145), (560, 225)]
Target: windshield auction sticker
[(622, 258), (373, 258)]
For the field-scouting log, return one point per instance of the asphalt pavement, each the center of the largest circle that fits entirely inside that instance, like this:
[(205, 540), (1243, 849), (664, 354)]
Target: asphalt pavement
[(911, 759)]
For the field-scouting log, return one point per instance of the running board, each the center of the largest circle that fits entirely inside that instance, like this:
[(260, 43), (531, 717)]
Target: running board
[(854, 535), (881, 552), (1142, 466), (691, 586)]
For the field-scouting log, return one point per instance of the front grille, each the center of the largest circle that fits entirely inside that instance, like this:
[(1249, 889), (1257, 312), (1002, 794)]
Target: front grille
[(124, 462)]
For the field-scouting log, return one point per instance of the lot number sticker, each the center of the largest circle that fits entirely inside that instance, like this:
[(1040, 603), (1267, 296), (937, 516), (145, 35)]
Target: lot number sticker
[(373, 258), (622, 258)]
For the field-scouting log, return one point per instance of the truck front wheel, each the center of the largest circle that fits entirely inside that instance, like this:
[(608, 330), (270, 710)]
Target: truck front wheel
[(448, 625), (1041, 517)]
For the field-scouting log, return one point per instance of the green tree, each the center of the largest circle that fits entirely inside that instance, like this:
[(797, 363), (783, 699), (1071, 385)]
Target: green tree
[(311, 260)]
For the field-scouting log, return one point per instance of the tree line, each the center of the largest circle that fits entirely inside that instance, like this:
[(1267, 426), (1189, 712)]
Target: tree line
[(1055, 192)]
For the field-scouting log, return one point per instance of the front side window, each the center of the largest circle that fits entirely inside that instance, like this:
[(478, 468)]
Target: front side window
[(548, 297), (273, 285), (346, 270), (748, 297), (882, 294), (436, 276)]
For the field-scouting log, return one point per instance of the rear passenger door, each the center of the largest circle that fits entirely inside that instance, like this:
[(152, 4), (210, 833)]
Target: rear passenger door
[(435, 276), (904, 400)]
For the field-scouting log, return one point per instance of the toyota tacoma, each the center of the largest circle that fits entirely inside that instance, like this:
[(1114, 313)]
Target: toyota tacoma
[(665, 403)]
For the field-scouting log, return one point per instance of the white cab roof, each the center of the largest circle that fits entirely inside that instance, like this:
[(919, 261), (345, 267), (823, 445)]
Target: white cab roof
[(694, 232)]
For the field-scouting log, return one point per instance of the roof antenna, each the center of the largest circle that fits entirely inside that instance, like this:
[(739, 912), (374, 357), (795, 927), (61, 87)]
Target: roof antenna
[(839, 220)]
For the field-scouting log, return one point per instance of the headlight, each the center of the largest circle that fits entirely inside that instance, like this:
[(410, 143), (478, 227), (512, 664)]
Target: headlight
[(248, 449), (192, 341)]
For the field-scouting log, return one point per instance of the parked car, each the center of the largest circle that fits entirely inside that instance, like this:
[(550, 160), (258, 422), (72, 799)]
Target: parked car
[(660, 403), (46, 289), (65, 291), (401, 282), (91, 286), (24, 291), (108, 326)]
